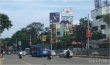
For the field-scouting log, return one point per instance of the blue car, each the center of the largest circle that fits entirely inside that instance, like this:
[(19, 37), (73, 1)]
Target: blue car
[(39, 51)]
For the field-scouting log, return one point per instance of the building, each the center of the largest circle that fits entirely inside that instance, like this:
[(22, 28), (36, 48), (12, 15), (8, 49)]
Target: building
[(61, 23), (102, 7), (66, 24), (55, 25)]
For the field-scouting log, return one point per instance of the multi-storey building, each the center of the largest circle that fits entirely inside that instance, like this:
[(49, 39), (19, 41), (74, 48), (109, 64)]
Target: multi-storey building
[(98, 24), (66, 23)]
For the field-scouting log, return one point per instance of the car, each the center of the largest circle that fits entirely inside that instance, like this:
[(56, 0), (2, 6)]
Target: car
[(53, 53), (63, 54), (23, 53)]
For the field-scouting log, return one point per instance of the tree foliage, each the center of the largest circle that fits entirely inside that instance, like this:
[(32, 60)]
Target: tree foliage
[(5, 23), (106, 18), (24, 34), (35, 28), (79, 31), (97, 35)]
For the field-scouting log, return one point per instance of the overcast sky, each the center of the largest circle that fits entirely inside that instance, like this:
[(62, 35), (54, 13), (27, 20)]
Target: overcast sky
[(24, 12)]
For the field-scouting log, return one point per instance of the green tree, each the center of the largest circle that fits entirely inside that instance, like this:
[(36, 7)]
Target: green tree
[(97, 35), (5, 23), (21, 35), (35, 28), (106, 18), (79, 31), (24, 34), (65, 41), (5, 42)]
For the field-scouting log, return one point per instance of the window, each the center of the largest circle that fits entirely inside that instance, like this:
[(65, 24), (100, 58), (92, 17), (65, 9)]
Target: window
[(104, 36), (95, 28), (98, 17), (103, 26), (58, 33)]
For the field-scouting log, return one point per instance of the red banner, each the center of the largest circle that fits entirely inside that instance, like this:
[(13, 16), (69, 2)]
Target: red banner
[(88, 34)]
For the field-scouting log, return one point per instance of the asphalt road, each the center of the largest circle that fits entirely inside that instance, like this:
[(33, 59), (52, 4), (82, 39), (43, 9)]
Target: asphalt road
[(28, 60)]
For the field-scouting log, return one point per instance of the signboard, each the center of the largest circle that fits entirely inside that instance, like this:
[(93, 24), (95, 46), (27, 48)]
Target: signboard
[(19, 43), (67, 12), (88, 34), (44, 38), (69, 18), (54, 17)]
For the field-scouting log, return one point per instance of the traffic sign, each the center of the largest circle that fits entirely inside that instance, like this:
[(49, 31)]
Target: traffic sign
[(44, 38)]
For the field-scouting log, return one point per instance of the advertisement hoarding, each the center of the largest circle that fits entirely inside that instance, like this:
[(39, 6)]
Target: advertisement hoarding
[(67, 12), (54, 17), (69, 18)]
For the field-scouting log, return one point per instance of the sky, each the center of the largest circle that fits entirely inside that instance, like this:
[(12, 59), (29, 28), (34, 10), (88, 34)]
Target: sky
[(24, 12)]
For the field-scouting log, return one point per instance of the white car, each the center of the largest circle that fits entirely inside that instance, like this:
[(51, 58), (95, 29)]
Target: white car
[(53, 53), (24, 53), (63, 54)]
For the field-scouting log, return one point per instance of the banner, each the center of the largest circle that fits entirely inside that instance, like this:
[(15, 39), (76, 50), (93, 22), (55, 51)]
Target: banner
[(69, 18), (67, 12), (54, 17), (44, 38), (88, 34)]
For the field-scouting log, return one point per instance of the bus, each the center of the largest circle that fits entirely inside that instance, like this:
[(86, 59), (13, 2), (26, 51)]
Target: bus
[(39, 51)]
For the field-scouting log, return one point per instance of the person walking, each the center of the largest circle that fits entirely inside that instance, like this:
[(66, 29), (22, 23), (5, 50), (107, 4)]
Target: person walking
[(1, 53)]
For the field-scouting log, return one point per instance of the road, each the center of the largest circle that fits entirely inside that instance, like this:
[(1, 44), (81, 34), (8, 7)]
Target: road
[(28, 60)]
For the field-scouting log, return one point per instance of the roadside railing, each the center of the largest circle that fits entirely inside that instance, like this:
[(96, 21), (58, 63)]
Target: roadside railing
[(93, 52)]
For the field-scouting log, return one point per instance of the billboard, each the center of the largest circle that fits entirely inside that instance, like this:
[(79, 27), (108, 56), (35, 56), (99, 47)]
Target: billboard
[(67, 12), (54, 17), (69, 18)]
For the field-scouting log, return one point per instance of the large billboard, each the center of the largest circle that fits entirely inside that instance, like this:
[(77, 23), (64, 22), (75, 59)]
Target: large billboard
[(54, 17), (69, 18), (67, 12)]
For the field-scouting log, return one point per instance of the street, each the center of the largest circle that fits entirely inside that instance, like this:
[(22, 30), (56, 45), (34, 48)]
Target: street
[(28, 60)]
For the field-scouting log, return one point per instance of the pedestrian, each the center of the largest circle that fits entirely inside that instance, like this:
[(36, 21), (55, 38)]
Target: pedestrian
[(1, 53), (20, 54), (49, 55)]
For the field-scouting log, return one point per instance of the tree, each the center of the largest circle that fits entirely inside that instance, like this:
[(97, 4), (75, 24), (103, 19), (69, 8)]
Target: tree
[(97, 35), (5, 42), (5, 23), (79, 31), (21, 35), (35, 28), (106, 18), (65, 41), (24, 34)]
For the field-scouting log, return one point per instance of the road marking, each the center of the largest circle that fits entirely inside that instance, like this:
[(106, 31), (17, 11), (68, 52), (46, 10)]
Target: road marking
[(24, 62)]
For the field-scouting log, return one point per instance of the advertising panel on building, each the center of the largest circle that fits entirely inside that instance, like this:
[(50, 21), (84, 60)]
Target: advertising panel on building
[(54, 17), (69, 18), (67, 12)]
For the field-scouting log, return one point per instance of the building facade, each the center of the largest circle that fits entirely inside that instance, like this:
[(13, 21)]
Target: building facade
[(98, 24), (66, 24)]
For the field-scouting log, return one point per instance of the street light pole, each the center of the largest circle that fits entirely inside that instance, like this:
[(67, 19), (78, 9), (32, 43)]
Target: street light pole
[(88, 31), (51, 40), (16, 46)]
